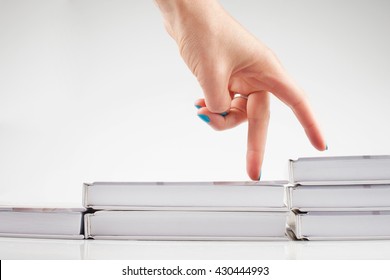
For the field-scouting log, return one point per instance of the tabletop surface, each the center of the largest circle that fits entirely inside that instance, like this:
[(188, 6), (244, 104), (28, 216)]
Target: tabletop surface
[(26, 248)]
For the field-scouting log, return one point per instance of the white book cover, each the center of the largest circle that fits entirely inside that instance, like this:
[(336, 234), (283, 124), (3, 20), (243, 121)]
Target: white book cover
[(346, 225), (185, 225), (235, 196), (338, 197), (340, 170), (41, 222)]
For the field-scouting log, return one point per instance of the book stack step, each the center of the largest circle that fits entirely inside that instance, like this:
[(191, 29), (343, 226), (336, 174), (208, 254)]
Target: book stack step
[(327, 198), (340, 198), (186, 210)]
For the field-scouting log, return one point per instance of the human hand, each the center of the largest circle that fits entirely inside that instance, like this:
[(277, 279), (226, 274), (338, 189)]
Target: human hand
[(226, 59)]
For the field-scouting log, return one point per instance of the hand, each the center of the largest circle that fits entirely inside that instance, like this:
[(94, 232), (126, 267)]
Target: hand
[(226, 59)]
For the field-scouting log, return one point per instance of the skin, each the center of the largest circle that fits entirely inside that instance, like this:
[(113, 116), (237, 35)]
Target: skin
[(227, 59)]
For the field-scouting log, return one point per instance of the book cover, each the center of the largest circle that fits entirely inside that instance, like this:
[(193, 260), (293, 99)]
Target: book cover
[(340, 170), (235, 196), (41, 222), (341, 225), (186, 225), (338, 197)]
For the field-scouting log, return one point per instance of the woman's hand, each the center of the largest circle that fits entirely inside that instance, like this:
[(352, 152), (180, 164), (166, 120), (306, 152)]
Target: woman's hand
[(226, 59)]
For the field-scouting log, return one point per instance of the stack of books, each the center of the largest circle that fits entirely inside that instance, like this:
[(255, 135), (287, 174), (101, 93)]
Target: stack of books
[(186, 211), (327, 198), (340, 198)]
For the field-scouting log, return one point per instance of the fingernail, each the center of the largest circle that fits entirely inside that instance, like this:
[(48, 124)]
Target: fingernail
[(204, 118), (326, 147), (198, 106), (259, 176), (224, 114)]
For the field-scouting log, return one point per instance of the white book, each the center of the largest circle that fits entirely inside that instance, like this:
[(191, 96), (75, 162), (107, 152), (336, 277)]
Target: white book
[(185, 225), (235, 196), (340, 170), (41, 222), (338, 197), (346, 225)]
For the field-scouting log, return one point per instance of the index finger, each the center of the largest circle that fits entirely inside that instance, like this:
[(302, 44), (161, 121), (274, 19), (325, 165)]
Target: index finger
[(258, 118), (288, 92)]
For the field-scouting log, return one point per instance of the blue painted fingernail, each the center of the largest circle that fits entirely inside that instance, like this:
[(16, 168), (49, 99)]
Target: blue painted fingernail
[(204, 118), (224, 114), (259, 176), (198, 106)]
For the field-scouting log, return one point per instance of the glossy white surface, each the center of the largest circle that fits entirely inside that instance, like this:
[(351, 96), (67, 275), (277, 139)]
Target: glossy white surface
[(24, 248)]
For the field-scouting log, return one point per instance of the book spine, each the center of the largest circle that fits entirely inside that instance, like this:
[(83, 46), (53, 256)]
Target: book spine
[(86, 186), (288, 196), (87, 228), (291, 171)]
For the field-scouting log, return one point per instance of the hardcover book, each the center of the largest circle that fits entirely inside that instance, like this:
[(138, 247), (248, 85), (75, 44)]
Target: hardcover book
[(41, 222), (186, 225), (237, 196), (339, 197), (340, 170), (343, 225)]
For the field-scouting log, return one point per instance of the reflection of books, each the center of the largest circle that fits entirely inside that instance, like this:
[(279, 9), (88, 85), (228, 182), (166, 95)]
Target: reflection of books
[(323, 225), (186, 225), (185, 195), (65, 249), (41, 222), (341, 250), (187, 250), (340, 170), (41, 249)]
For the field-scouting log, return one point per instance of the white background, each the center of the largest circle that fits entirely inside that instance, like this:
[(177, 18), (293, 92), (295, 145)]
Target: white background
[(97, 91)]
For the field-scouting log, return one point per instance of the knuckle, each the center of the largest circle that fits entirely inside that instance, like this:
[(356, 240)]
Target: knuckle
[(217, 108)]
